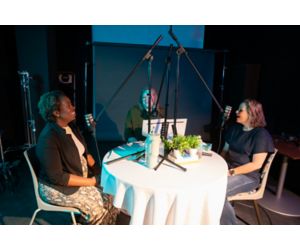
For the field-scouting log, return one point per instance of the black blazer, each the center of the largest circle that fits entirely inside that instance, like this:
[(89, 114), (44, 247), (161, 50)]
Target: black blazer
[(58, 156)]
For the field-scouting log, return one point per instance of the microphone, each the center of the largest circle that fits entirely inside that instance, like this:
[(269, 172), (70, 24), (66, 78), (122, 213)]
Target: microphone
[(226, 115)]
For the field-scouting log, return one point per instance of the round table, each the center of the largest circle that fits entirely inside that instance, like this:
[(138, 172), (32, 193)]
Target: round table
[(167, 195)]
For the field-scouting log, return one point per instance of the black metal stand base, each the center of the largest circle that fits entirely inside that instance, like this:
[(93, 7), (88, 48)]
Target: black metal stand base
[(164, 158)]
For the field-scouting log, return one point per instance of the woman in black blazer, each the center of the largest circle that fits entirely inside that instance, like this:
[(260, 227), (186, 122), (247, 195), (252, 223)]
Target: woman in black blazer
[(68, 175)]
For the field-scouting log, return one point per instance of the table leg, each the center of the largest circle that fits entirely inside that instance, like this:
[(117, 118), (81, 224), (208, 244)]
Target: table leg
[(282, 177)]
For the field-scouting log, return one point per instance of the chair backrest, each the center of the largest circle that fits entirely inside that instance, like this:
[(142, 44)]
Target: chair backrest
[(259, 192), (265, 172), (33, 165)]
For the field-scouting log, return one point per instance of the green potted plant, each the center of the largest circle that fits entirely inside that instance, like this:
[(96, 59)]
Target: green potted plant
[(178, 144), (194, 141)]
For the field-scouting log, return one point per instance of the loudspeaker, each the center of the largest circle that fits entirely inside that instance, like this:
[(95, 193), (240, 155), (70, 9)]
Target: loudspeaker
[(67, 84)]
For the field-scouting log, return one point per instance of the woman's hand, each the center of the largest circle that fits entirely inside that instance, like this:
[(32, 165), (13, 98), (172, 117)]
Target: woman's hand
[(79, 181), (96, 170), (90, 160)]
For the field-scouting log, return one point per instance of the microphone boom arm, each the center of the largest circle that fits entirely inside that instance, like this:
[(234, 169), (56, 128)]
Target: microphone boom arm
[(145, 57), (181, 50)]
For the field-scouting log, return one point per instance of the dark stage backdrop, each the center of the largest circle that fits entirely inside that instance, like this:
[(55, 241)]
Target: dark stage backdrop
[(112, 64), (11, 120)]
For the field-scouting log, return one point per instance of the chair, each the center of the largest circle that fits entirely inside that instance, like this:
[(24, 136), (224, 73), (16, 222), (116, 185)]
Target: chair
[(33, 164), (258, 193)]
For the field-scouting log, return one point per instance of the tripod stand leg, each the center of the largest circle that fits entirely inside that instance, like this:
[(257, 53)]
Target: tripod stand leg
[(161, 161), (164, 158)]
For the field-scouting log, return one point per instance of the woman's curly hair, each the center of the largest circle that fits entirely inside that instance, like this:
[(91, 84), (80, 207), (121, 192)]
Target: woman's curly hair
[(48, 103)]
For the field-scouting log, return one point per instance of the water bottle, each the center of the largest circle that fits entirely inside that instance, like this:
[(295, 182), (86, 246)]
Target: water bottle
[(152, 145)]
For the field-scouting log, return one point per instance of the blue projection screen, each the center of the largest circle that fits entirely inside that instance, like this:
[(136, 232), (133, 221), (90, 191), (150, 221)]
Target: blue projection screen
[(112, 65), (117, 49), (190, 36)]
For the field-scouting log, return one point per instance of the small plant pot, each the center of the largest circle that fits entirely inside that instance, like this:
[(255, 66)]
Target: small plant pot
[(193, 152), (177, 154)]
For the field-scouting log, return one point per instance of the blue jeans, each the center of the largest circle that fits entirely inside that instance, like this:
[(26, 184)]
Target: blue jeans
[(236, 184)]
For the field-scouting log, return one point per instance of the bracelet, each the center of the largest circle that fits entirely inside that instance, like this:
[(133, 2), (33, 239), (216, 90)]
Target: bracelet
[(232, 172)]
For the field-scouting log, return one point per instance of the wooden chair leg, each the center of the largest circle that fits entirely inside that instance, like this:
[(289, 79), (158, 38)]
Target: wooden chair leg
[(259, 220)]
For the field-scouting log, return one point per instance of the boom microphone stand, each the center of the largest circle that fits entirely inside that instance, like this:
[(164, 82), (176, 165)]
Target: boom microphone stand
[(89, 120), (164, 129), (180, 51), (87, 64), (145, 57), (176, 92), (148, 57), (165, 125), (166, 72)]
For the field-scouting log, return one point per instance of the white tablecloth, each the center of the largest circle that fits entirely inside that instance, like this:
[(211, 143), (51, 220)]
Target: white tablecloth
[(168, 195)]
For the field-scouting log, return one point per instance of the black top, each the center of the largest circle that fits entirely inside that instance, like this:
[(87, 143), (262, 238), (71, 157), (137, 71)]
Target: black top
[(244, 144), (58, 156)]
